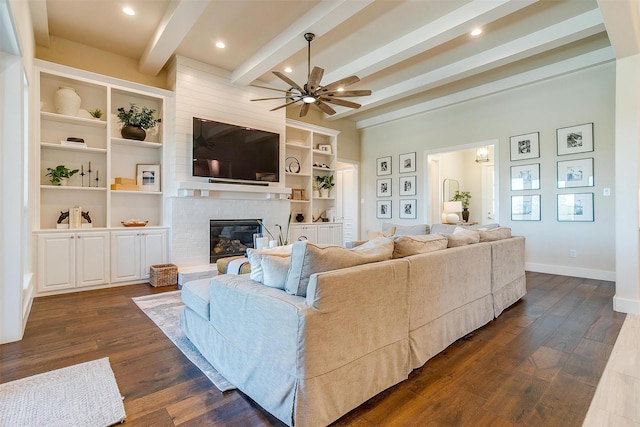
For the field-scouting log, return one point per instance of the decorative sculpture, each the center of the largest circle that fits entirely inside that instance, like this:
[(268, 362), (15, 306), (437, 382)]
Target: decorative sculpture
[(65, 215)]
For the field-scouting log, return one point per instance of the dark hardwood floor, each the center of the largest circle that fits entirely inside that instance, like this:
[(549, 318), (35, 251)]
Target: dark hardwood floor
[(538, 364)]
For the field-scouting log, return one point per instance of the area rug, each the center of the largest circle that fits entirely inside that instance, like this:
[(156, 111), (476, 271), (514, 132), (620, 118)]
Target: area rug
[(164, 309), (80, 395)]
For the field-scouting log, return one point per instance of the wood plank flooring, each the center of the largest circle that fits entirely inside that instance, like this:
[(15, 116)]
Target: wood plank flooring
[(538, 364)]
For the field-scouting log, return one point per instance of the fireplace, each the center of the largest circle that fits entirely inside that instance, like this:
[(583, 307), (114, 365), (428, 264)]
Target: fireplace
[(231, 237)]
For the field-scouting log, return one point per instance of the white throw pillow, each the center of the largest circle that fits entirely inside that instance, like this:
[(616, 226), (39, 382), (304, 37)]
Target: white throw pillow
[(413, 245), (275, 270), (308, 259), (463, 237), (255, 259)]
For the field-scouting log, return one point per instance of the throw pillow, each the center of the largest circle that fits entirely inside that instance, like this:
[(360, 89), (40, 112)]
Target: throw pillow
[(371, 234), (274, 270), (255, 259), (443, 229), (495, 234), (408, 230), (462, 238), (308, 258), (413, 245)]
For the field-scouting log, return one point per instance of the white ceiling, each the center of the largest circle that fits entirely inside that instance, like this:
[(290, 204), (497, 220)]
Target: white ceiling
[(415, 55)]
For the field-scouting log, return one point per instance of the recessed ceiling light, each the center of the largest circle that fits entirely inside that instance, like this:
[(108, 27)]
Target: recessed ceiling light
[(288, 70), (220, 45), (129, 11), (476, 32)]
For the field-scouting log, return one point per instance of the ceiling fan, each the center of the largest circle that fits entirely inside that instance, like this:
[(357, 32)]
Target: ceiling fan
[(313, 92)]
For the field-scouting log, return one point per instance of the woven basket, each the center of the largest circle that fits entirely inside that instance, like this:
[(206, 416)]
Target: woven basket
[(163, 275)]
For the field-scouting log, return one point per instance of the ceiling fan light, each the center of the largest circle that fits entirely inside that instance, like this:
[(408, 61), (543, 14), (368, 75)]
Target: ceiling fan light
[(308, 99), (129, 11), (288, 70)]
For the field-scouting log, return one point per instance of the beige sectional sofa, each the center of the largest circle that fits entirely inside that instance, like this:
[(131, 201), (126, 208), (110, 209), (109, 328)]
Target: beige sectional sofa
[(318, 341)]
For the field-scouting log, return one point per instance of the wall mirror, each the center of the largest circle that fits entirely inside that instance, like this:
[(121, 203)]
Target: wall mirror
[(449, 188)]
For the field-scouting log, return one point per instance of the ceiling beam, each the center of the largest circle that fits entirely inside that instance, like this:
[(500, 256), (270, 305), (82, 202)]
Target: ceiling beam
[(570, 30), (40, 22), (622, 20), (319, 20), (176, 23)]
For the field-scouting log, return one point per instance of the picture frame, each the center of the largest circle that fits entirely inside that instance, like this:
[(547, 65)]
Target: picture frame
[(326, 148), (408, 185), (525, 177), (383, 187), (525, 208), (575, 139), (575, 207), (575, 173), (407, 162), (383, 166), (148, 177), (408, 209), (526, 146), (383, 209), (297, 194)]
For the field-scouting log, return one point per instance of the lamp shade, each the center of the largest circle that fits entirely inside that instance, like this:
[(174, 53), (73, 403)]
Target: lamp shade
[(452, 207)]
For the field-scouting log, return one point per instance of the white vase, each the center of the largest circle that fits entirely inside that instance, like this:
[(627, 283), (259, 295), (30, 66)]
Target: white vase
[(67, 101), (324, 193), (316, 193)]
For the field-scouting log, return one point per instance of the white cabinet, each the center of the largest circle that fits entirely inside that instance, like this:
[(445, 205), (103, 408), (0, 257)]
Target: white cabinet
[(325, 233), (330, 234), (303, 232), (134, 251), (72, 260)]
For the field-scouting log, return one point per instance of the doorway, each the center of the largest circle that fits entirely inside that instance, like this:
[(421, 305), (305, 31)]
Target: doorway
[(347, 185)]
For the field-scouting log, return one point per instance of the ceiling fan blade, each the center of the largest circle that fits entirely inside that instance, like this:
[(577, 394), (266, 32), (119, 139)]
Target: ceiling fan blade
[(267, 99), (342, 102), (340, 83), (324, 107), (284, 105), (314, 78), (288, 81), (304, 109), (270, 88), (345, 93)]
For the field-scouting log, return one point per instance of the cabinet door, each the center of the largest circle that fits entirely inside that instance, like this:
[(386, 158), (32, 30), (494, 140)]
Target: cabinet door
[(153, 249), (330, 234), (56, 261), (92, 259), (125, 256), (300, 232)]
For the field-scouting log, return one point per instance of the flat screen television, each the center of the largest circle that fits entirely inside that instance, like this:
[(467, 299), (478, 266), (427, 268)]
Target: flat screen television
[(226, 152)]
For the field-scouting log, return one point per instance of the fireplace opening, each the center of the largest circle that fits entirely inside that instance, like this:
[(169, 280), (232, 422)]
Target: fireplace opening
[(231, 237)]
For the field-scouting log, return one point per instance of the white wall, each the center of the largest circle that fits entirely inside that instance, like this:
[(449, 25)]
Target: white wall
[(581, 97)]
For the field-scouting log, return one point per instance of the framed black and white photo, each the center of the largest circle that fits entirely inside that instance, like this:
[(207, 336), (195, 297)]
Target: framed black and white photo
[(408, 162), (575, 207), (575, 139), (408, 209), (525, 177), (407, 185), (383, 166), (525, 146), (148, 177), (575, 173), (383, 209), (525, 208), (384, 187)]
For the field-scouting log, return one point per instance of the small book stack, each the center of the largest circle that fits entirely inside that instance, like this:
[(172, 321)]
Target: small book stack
[(76, 142), (126, 184)]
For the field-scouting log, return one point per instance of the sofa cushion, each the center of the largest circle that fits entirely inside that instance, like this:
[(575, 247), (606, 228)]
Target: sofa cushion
[(195, 295), (407, 230), (255, 259), (495, 234), (274, 270), (372, 234), (308, 258), (443, 229), (413, 245), (463, 237)]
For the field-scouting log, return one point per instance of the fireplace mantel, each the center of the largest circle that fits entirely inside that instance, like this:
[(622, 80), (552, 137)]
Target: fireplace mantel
[(230, 191)]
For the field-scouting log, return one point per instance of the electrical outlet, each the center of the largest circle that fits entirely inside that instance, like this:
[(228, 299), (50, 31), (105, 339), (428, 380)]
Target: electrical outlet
[(606, 191), (572, 253)]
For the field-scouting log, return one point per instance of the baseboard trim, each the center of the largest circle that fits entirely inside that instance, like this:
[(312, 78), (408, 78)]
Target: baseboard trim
[(563, 270), (624, 305)]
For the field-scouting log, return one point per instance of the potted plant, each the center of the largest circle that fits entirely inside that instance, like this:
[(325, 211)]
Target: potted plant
[(60, 174), (282, 238), (316, 185), (463, 197), (96, 114), (136, 120), (327, 185)]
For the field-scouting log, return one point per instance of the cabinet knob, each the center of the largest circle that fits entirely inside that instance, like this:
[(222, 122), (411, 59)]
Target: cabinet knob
[(72, 237)]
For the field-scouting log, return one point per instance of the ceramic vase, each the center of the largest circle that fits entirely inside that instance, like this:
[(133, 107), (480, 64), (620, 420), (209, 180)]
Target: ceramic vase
[(316, 193), (299, 217), (67, 101), (465, 214), (133, 132), (324, 193)]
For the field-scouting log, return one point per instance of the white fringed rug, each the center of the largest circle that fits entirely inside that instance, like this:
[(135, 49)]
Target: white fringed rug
[(83, 395), (165, 309)]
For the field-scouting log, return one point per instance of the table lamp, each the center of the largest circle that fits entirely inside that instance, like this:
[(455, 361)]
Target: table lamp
[(450, 212)]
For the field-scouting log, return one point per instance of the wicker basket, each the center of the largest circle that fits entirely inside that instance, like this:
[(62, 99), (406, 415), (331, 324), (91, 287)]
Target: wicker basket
[(163, 275)]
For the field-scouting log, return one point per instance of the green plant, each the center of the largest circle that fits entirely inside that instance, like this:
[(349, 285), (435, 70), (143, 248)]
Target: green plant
[(327, 182), (60, 172), (462, 196), (283, 238), (136, 116), (316, 185), (96, 114)]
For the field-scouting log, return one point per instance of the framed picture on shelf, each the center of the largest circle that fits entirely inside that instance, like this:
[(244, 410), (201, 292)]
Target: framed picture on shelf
[(575, 139), (407, 185), (326, 148), (408, 209), (575, 173), (525, 146), (525, 177), (383, 209), (525, 208), (383, 165), (575, 207), (383, 187), (407, 162), (148, 177)]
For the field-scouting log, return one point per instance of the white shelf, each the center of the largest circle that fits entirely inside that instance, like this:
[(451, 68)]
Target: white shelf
[(299, 201), (61, 118), (153, 193), (70, 187), (55, 146), (235, 188), (316, 168), (134, 143), (322, 153), (303, 175)]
